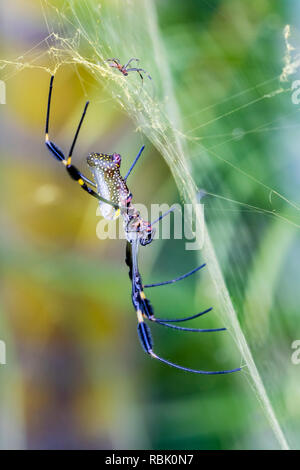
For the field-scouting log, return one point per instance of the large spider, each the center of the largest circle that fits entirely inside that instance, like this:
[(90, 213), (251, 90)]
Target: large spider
[(124, 68), (115, 199)]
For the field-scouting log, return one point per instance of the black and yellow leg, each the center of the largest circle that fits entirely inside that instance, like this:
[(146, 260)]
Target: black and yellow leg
[(144, 333), (141, 302), (144, 310), (76, 175), (147, 344), (73, 172), (148, 313)]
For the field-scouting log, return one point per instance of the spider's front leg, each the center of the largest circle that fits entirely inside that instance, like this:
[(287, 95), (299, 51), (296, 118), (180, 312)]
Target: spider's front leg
[(139, 70), (54, 149), (72, 170), (131, 60), (116, 61)]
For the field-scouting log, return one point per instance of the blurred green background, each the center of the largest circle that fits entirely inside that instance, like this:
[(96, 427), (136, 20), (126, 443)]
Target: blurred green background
[(76, 376)]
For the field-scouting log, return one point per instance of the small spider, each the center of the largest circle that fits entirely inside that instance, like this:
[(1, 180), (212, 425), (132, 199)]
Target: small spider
[(123, 68)]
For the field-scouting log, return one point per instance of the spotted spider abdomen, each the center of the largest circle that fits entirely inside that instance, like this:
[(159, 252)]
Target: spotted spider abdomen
[(110, 184)]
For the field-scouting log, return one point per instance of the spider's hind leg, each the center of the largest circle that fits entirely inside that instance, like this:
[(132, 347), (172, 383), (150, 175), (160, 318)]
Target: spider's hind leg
[(148, 313), (131, 60), (147, 344), (144, 309), (138, 70), (180, 278), (177, 320), (164, 322)]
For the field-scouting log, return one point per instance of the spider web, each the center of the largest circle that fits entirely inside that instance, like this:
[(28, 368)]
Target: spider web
[(86, 34)]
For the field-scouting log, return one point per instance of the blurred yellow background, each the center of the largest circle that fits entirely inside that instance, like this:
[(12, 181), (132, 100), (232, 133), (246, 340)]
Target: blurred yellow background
[(76, 376)]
